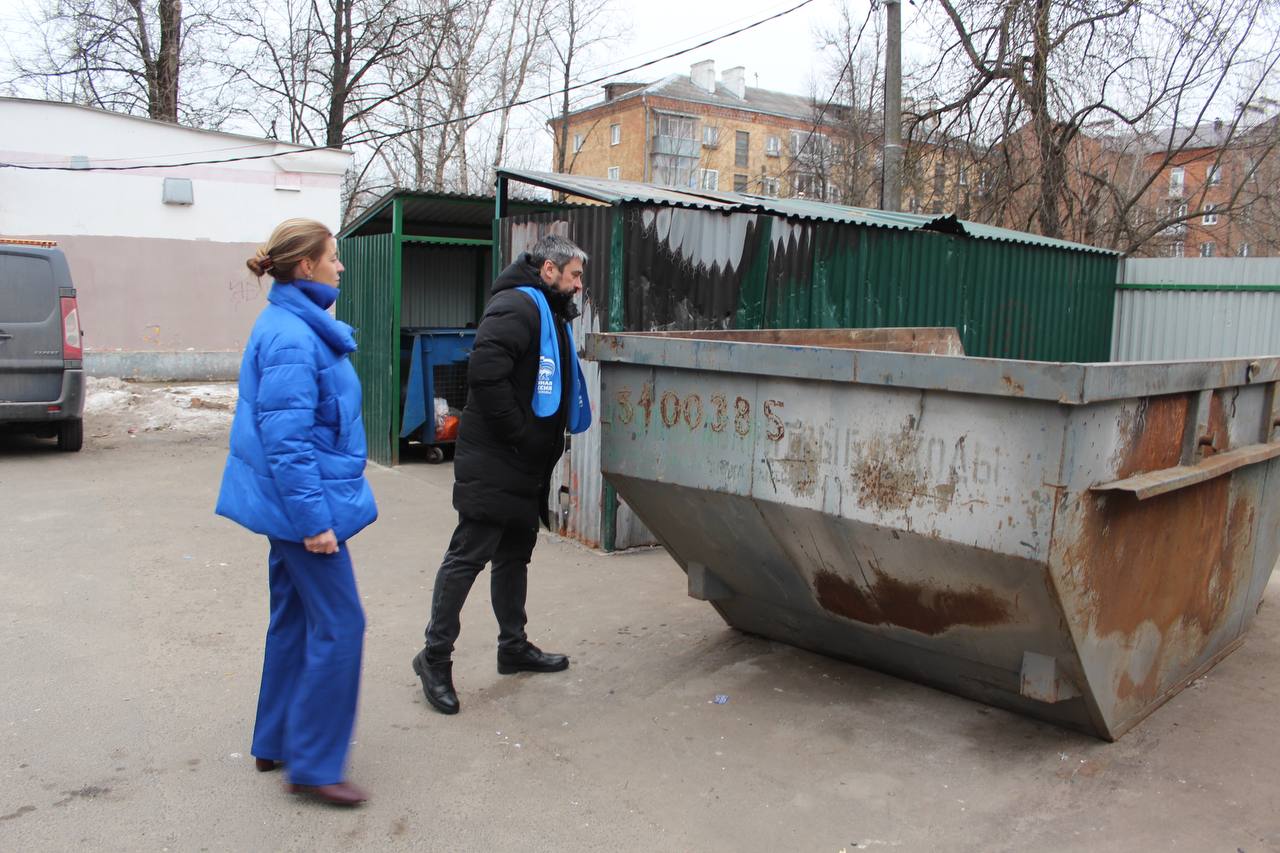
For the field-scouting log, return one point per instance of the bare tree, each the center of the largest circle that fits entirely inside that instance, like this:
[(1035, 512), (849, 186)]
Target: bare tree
[(518, 60), (1081, 105), (321, 66), (575, 28), (122, 55)]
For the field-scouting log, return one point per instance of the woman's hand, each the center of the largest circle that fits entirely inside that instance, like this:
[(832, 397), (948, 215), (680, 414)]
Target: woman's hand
[(322, 543)]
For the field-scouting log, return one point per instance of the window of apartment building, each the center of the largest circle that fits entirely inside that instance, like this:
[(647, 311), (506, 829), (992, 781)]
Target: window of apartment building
[(770, 186), (678, 127), (1210, 214), (1177, 180), (1206, 250), (936, 207), (1213, 176), (615, 134), (710, 136), (739, 183), (577, 142), (741, 148), (1177, 249), (675, 151), (1243, 250), (1182, 211), (614, 173), (913, 205), (796, 142), (773, 146), (964, 176), (807, 186), (709, 179)]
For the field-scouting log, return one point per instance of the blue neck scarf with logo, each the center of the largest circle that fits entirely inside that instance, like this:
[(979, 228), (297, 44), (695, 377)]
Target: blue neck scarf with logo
[(547, 389)]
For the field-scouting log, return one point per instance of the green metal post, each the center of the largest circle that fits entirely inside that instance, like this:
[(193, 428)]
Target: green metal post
[(397, 298), (499, 212), (615, 323)]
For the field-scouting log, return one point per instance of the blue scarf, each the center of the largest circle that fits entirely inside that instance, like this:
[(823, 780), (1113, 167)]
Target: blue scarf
[(546, 391), (323, 295)]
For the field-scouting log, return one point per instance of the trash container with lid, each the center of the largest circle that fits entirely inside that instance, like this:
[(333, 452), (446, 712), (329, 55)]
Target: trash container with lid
[(1076, 542)]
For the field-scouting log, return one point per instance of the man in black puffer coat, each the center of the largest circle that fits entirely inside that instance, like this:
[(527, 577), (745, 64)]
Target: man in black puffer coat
[(503, 464)]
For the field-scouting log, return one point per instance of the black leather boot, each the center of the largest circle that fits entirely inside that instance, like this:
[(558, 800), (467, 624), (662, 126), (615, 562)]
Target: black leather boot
[(530, 659), (437, 683)]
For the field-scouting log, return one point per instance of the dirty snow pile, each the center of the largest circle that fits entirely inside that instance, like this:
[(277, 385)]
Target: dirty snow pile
[(113, 405)]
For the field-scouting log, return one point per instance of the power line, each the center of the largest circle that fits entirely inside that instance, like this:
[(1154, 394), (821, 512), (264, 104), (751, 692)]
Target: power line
[(137, 166), (387, 137)]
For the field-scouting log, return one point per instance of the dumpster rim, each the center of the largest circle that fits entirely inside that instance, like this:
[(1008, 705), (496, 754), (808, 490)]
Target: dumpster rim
[(1069, 383)]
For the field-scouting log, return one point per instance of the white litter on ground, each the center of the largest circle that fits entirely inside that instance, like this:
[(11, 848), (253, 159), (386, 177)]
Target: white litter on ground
[(115, 406)]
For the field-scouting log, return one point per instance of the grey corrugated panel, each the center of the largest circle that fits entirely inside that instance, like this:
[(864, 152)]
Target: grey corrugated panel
[(1233, 271), (440, 284), (1180, 324), (1189, 323)]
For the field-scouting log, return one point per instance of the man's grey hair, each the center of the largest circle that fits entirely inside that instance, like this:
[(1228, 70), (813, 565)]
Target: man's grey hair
[(559, 250)]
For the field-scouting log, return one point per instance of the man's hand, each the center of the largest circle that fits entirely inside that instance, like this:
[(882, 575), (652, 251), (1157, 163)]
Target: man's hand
[(322, 543)]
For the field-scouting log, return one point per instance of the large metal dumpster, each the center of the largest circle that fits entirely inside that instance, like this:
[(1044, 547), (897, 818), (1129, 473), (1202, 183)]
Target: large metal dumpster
[(1076, 542)]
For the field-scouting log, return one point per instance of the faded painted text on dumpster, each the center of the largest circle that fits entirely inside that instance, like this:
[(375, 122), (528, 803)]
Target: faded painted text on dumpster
[(717, 413)]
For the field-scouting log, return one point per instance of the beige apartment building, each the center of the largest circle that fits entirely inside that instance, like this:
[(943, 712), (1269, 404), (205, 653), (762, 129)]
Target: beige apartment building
[(698, 130)]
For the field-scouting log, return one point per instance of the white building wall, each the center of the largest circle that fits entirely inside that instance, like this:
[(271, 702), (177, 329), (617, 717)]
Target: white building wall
[(163, 288)]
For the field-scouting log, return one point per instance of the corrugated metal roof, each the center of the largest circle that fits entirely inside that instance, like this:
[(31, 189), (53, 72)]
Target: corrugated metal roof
[(979, 231), (624, 192), (631, 192), (432, 213)]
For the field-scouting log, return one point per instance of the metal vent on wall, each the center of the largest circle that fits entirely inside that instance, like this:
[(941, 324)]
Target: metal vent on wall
[(178, 191)]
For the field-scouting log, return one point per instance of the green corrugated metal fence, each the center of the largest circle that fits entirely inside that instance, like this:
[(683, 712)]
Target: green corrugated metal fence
[(370, 301), (1007, 300)]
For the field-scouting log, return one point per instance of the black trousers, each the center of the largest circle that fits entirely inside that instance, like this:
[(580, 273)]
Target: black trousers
[(475, 543)]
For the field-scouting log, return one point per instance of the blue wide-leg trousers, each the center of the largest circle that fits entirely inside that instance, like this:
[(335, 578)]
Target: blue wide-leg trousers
[(311, 669)]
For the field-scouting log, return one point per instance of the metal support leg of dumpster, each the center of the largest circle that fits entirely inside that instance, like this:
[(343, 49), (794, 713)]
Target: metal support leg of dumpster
[(1041, 680), (704, 585)]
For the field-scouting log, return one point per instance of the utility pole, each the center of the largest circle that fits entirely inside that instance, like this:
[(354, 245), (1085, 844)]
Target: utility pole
[(891, 171)]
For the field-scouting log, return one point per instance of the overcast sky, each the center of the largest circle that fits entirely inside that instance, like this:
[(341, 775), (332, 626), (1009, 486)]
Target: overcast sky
[(780, 53)]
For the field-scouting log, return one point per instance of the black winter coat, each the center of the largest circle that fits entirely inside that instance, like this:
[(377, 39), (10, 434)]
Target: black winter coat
[(505, 454)]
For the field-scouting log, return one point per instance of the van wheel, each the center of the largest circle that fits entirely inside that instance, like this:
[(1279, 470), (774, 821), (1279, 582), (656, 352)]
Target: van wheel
[(71, 435)]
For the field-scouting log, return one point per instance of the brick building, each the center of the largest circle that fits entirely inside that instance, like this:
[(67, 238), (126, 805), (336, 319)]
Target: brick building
[(698, 130)]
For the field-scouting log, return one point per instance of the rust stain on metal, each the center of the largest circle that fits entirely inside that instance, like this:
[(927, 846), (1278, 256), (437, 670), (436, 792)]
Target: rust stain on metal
[(1216, 439), (1154, 435), (1014, 386), (916, 607), (1172, 563), (800, 465), (1161, 560), (888, 475)]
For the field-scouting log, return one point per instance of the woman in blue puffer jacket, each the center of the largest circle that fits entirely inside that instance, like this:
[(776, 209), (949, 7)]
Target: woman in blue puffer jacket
[(295, 474)]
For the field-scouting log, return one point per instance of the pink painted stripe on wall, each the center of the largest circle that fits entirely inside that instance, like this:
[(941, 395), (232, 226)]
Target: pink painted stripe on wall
[(244, 174)]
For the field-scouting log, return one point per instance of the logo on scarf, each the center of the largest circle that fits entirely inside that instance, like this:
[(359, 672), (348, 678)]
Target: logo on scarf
[(546, 370)]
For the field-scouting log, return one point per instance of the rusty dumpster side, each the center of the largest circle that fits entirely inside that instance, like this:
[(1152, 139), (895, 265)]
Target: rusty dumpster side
[(1073, 542)]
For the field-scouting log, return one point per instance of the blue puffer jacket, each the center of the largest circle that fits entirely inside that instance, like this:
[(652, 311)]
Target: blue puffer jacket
[(296, 467)]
